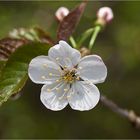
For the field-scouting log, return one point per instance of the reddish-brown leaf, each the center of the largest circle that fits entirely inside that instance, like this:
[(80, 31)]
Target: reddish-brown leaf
[(43, 36), (68, 25), (8, 46)]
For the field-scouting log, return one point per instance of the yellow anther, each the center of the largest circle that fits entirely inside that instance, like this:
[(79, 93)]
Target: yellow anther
[(50, 74), (57, 89), (43, 77), (49, 90), (77, 78), (65, 77), (57, 58), (65, 66), (60, 98), (65, 89), (57, 80), (69, 75), (45, 65), (80, 68)]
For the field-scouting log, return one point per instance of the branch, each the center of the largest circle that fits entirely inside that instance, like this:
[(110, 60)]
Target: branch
[(128, 114)]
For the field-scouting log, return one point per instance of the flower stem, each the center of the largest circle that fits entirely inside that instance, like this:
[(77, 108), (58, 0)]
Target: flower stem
[(94, 35), (73, 42), (84, 36)]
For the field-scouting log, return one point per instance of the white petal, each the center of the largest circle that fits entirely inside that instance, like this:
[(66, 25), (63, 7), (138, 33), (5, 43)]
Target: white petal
[(92, 68), (54, 96), (64, 55), (83, 96), (42, 70)]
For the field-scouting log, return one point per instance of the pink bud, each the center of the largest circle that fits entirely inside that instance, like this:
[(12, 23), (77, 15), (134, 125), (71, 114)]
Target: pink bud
[(105, 13), (61, 13)]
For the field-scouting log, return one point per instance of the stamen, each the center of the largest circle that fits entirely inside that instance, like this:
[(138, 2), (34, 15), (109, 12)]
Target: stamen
[(70, 94), (65, 89), (78, 78), (45, 65), (70, 75), (80, 68), (60, 98), (57, 89), (43, 77), (57, 58), (65, 67), (57, 80), (49, 90), (50, 74)]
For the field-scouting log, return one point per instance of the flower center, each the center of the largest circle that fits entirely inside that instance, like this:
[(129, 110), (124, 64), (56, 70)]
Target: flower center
[(70, 76)]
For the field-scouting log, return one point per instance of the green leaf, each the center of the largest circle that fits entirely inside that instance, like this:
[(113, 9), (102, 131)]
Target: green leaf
[(2, 64), (15, 73)]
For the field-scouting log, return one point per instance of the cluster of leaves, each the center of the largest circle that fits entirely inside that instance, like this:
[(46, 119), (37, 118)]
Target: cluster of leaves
[(17, 50)]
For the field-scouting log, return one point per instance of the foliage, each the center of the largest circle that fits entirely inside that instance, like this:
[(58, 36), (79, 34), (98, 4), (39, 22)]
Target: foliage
[(15, 72), (68, 25)]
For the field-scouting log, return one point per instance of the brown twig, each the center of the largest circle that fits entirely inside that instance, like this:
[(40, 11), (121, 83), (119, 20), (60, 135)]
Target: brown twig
[(128, 114)]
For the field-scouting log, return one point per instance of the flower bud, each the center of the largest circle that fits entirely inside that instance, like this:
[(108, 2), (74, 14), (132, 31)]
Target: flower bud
[(61, 13), (105, 14)]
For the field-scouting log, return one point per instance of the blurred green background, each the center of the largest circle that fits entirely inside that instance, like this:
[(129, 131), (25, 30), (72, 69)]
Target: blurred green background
[(118, 45)]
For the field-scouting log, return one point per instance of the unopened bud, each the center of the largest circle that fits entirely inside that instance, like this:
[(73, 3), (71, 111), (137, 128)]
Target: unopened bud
[(105, 15), (61, 13)]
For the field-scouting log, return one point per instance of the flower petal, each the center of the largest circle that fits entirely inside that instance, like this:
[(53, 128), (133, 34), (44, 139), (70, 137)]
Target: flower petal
[(42, 70), (92, 68), (64, 55), (83, 96), (54, 96)]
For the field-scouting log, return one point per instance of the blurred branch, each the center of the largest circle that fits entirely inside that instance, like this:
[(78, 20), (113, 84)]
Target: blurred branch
[(128, 114)]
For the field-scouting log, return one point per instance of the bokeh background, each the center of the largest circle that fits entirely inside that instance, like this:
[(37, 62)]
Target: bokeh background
[(118, 45)]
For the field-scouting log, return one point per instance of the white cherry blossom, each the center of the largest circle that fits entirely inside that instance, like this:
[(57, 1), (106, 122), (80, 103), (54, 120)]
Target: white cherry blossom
[(68, 78)]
